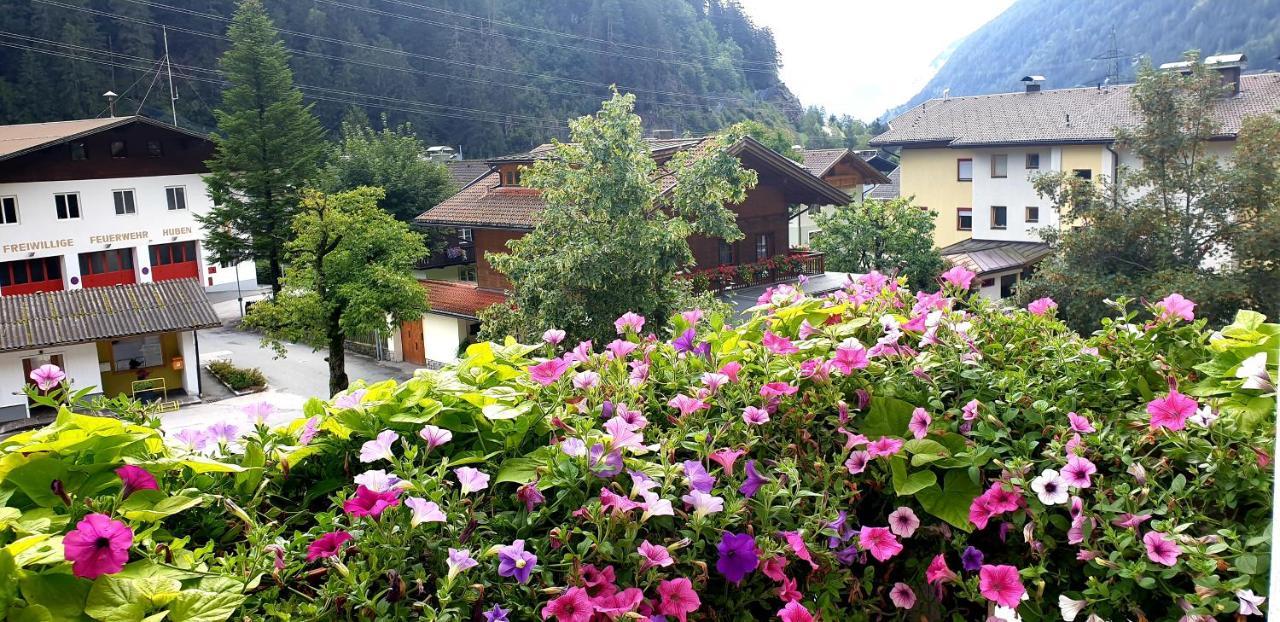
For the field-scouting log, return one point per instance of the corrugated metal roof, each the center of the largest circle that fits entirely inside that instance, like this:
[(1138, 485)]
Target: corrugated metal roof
[(989, 256), (16, 140), (84, 315)]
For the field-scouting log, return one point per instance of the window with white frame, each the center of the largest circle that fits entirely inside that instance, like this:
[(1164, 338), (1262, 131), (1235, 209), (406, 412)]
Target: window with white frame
[(124, 201), (176, 197), (67, 205), (1033, 214), (8, 210)]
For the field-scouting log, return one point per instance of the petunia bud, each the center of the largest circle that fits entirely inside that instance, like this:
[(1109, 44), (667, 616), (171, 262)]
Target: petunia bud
[(60, 490)]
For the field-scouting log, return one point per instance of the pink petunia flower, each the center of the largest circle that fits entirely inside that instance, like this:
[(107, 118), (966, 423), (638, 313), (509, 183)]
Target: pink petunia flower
[(572, 606), (1130, 521), (938, 572), (424, 511), (902, 596), (850, 355), (726, 458), (959, 277), (755, 416), (1171, 411), (857, 462), (47, 376), (434, 436), (1042, 306), (778, 344), (619, 349), (327, 545), (919, 424), (796, 542), (777, 389), (795, 612), (97, 546), (714, 380), (970, 410), (1175, 306), (549, 371), (1078, 471), (731, 369), (654, 556), (884, 446), (553, 336), (879, 541), (788, 592), (350, 400), (775, 568), (903, 522), (677, 598), (1001, 585), (367, 502), (379, 448), (586, 380), (686, 405), (1161, 549), (628, 321), (471, 480), (258, 412), (135, 478), (1080, 424)]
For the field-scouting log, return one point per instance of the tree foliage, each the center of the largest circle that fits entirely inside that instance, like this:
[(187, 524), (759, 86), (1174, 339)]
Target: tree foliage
[(610, 239), (893, 237), (269, 146), (350, 275), (393, 159), (1185, 220)]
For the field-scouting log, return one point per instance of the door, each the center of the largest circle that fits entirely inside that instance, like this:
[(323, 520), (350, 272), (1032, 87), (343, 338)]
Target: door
[(29, 364), (415, 350)]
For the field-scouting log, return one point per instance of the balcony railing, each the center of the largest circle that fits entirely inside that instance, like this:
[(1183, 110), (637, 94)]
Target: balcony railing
[(773, 270)]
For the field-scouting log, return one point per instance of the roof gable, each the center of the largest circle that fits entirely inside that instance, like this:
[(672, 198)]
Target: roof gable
[(18, 140)]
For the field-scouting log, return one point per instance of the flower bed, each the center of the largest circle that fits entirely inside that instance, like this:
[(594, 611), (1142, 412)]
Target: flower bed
[(875, 454), (771, 270), (241, 380)]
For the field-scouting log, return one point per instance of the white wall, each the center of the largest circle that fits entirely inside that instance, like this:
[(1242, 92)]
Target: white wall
[(80, 365), (1015, 192), (191, 366), (39, 232), (443, 335)]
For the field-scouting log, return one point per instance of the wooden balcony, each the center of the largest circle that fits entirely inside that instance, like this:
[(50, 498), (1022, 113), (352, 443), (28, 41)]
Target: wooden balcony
[(776, 269)]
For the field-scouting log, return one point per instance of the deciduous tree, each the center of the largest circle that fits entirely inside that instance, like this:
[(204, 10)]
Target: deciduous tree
[(350, 273), (891, 236)]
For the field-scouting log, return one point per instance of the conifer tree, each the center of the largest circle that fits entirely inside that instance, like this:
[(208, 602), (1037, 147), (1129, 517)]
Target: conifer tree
[(268, 146)]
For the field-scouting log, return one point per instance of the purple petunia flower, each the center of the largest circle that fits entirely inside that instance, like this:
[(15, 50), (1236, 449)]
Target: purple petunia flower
[(685, 343), (971, 559), (753, 482), (603, 464), (738, 557), (698, 477), (514, 561)]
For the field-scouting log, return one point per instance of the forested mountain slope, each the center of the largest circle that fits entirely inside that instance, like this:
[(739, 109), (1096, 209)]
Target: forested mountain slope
[(493, 76), (1071, 43)]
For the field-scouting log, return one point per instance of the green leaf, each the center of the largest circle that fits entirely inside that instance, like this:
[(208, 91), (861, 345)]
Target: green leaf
[(520, 470), (203, 606), (153, 505), (951, 501), (1247, 563), (905, 484), (31, 613), (35, 478), (115, 599), (61, 594), (888, 416), (8, 579), (500, 411)]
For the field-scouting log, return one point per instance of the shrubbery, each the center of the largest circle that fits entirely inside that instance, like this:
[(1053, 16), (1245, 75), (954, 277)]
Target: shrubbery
[(238, 378), (871, 455)]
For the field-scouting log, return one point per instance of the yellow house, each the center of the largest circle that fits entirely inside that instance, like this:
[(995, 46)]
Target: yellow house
[(972, 160)]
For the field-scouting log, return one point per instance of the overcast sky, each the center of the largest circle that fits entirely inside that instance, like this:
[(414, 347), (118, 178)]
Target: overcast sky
[(863, 57)]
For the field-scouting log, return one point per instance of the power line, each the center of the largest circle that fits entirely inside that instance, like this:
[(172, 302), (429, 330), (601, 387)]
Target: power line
[(321, 95), (399, 52)]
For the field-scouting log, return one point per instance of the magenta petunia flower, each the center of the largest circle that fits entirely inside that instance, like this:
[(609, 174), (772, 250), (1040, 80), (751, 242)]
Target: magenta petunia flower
[(628, 321), (793, 611), (753, 482), (368, 502), (884, 446), (938, 572), (731, 369), (530, 496), (1175, 306), (902, 596), (614, 606), (572, 606), (1078, 471), (777, 389), (514, 561), (857, 462), (553, 336), (676, 598), (619, 349), (1161, 549), (47, 376), (755, 416), (970, 410), (327, 545), (379, 448), (1080, 424), (616, 503), (788, 591), (798, 546), (434, 436), (135, 478), (1171, 411), (97, 546), (471, 480), (903, 522), (919, 424), (778, 344), (959, 277), (686, 405), (654, 556), (1042, 306), (850, 355), (738, 556), (1001, 585), (879, 541), (726, 458), (775, 568), (548, 372)]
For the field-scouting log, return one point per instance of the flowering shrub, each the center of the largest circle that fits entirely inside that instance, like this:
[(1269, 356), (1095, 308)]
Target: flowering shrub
[(769, 270), (872, 454)]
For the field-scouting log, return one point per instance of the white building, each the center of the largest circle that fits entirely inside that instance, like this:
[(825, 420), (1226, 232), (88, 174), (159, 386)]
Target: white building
[(103, 203)]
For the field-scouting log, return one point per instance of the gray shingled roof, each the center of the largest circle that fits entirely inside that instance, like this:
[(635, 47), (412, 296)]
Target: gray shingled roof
[(85, 315), (1080, 115), (989, 256), (466, 171), (890, 190)]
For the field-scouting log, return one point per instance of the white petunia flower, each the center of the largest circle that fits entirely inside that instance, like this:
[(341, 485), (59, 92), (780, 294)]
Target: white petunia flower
[(1050, 487)]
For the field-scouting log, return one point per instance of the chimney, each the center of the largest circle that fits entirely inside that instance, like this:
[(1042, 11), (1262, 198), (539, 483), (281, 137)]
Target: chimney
[(1033, 83), (111, 102), (1229, 67), (662, 134)]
